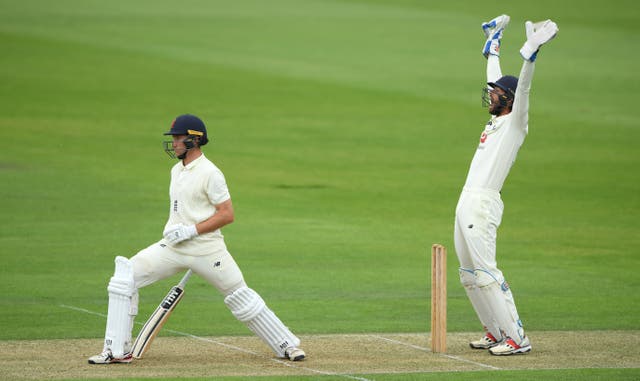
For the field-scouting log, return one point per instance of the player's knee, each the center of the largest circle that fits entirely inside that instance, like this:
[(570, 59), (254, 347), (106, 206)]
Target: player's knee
[(245, 304), (228, 290), (143, 270), (122, 282), (486, 278), (467, 278)]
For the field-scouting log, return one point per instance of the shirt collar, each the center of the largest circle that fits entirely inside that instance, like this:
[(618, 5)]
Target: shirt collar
[(193, 163)]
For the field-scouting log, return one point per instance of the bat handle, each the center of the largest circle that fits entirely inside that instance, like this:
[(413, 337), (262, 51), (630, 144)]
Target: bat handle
[(185, 278)]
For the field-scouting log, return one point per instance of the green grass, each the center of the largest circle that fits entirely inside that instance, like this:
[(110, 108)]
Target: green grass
[(345, 130)]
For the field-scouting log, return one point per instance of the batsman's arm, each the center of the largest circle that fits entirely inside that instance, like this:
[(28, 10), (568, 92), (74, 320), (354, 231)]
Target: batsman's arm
[(223, 216), (174, 234)]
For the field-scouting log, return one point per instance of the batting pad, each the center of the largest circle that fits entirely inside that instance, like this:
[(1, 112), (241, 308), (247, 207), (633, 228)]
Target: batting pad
[(468, 280), (123, 307), (497, 296), (248, 307)]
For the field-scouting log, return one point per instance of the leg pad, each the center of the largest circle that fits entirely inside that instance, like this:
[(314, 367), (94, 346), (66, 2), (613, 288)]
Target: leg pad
[(248, 307), (123, 306)]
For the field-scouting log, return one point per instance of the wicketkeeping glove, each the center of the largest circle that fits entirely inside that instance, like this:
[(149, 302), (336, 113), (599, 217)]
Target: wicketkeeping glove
[(537, 35), (493, 31), (178, 233)]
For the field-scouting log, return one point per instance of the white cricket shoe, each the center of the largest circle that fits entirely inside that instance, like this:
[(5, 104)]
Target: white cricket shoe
[(107, 358), (509, 347), (294, 354), (487, 341), (496, 25)]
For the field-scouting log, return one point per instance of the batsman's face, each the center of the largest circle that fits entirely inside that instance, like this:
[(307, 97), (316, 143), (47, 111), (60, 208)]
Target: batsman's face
[(178, 144)]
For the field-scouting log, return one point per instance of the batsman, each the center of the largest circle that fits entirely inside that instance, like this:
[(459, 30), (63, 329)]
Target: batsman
[(479, 210), (200, 205)]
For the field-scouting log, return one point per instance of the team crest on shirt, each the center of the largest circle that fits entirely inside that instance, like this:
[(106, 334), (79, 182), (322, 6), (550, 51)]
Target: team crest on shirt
[(489, 129)]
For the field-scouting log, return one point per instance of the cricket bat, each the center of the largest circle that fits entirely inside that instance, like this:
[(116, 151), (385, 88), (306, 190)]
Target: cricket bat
[(157, 319)]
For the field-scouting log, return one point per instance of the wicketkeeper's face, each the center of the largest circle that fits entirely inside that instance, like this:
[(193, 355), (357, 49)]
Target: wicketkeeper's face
[(496, 107), (495, 94)]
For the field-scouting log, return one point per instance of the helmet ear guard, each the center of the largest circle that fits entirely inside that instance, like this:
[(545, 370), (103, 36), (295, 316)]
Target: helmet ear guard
[(193, 139), (504, 99)]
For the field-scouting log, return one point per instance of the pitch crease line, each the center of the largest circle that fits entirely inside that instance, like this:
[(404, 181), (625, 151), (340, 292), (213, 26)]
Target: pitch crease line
[(233, 347), (263, 357), (457, 358)]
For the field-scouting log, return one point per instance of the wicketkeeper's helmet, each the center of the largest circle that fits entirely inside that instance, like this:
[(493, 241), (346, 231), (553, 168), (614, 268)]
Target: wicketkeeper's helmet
[(508, 83)]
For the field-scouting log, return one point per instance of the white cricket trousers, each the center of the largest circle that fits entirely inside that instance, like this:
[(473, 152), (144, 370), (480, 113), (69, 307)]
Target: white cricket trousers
[(159, 261), (478, 216)]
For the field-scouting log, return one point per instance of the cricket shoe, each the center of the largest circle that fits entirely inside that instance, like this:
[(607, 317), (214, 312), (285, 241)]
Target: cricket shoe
[(493, 29), (509, 347), (107, 358), (294, 354), (487, 341)]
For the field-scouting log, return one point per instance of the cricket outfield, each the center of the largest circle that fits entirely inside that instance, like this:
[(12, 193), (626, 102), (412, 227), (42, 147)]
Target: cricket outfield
[(345, 129)]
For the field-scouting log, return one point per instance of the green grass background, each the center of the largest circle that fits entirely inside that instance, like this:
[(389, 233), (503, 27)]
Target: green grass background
[(345, 130)]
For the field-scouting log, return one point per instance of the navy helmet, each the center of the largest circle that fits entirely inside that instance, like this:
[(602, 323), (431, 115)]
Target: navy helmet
[(508, 83), (191, 125)]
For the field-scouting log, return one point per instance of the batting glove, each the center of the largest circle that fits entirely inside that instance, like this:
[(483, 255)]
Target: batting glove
[(537, 35), (178, 233), (493, 31)]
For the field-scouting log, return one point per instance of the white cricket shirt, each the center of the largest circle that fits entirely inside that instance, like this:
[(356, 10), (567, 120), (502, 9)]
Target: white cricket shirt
[(501, 138), (194, 192)]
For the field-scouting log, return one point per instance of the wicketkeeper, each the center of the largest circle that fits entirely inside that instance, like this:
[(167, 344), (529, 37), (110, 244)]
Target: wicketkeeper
[(200, 205), (479, 209)]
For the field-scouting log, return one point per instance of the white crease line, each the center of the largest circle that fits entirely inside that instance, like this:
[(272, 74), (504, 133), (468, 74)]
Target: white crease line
[(83, 310), (261, 356), (232, 347), (457, 358)]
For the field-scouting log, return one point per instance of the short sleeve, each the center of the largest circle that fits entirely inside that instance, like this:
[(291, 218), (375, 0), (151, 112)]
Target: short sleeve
[(217, 188)]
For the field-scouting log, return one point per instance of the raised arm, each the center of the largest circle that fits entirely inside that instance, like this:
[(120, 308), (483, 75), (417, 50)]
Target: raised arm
[(537, 35), (491, 49)]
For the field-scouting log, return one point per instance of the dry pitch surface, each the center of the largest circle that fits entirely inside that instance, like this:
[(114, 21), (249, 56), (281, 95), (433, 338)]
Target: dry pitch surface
[(345, 356)]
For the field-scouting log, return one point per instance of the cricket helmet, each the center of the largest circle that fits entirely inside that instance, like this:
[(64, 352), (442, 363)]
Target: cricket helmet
[(190, 125), (508, 83)]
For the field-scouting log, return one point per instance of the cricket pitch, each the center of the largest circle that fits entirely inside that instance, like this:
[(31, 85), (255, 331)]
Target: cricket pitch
[(348, 356)]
